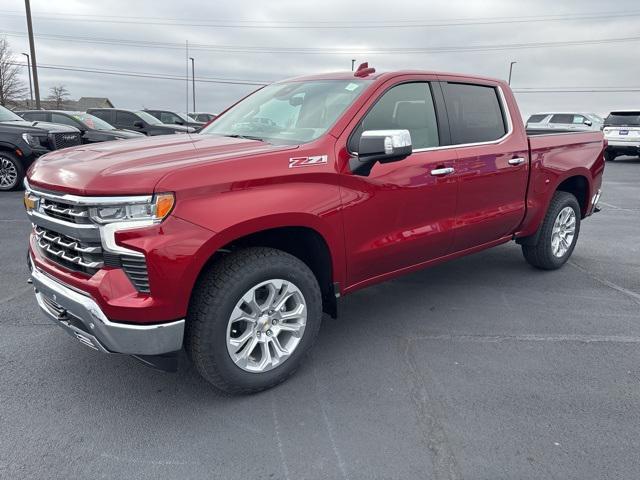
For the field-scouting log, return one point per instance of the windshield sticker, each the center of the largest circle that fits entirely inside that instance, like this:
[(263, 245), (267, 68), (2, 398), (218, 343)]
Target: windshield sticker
[(351, 87), (307, 161)]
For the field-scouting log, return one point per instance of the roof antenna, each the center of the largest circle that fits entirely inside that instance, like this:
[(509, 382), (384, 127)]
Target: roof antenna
[(364, 70)]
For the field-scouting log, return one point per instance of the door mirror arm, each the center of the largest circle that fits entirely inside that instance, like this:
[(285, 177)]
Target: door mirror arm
[(382, 146)]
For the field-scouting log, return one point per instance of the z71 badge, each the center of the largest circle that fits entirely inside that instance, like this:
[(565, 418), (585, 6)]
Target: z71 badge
[(307, 161)]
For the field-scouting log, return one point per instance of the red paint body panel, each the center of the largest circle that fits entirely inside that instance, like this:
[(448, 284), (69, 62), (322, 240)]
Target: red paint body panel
[(397, 219)]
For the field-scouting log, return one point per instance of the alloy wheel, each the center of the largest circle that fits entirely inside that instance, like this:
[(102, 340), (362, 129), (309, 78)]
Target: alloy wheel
[(266, 325), (8, 173), (563, 232)]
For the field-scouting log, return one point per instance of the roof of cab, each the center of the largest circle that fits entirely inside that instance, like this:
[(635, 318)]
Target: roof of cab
[(385, 75)]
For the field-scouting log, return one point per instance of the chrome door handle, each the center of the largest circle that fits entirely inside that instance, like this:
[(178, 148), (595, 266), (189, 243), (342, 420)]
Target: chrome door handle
[(517, 161), (438, 172)]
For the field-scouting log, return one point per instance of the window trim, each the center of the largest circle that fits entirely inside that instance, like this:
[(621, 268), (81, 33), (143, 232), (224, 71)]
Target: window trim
[(505, 112), (437, 97)]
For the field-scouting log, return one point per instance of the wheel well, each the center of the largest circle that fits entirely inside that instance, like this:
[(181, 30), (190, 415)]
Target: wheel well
[(301, 242), (579, 187)]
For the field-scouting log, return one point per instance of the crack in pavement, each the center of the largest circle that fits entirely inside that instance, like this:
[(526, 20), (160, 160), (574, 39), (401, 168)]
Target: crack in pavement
[(445, 465), (528, 338), (629, 293)]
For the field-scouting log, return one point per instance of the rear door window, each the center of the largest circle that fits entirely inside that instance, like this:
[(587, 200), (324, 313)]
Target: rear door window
[(35, 116), (562, 118), (475, 113)]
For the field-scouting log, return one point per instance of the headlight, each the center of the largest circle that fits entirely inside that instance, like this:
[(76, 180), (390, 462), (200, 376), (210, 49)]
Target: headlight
[(156, 210), (34, 140)]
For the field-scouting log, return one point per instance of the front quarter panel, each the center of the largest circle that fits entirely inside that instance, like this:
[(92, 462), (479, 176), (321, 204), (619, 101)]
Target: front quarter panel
[(238, 197)]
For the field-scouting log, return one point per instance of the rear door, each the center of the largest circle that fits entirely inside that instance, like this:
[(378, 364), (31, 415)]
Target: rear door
[(492, 164)]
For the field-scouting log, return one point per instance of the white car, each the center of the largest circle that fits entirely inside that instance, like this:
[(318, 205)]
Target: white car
[(565, 121), (622, 132)]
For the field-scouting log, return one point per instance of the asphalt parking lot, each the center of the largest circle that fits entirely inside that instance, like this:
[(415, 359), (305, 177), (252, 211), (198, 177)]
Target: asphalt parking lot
[(483, 368)]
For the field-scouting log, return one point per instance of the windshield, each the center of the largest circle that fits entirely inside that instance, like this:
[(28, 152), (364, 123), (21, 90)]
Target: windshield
[(7, 115), (150, 119), (289, 113), (92, 122), (624, 118)]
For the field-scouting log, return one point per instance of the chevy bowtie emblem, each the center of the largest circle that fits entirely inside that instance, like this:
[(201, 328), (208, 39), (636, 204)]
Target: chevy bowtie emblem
[(307, 161)]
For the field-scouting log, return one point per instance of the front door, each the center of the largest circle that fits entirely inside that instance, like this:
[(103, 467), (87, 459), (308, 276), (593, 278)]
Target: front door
[(402, 213)]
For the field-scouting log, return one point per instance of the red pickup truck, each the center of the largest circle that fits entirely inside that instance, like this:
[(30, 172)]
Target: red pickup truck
[(232, 242)]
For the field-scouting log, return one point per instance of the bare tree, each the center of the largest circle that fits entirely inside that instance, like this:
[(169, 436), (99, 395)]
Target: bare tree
[(58, 94), (12, 88)]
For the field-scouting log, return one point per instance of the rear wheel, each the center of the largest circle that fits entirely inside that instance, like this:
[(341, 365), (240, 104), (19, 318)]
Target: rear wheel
[(254, 316), (11, 172), (558, 234)]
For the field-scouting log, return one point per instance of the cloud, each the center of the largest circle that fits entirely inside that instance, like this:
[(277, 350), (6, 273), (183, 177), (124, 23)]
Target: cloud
[(603, 65)]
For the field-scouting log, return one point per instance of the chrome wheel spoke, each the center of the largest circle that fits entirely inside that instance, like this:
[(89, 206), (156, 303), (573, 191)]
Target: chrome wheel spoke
[(563, 232), (266, 325)]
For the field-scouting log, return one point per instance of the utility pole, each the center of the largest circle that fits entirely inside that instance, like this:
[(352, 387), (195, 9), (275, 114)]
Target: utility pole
[(511, 71), (193, 84), (29, 72), (353, 63), (32, 49)]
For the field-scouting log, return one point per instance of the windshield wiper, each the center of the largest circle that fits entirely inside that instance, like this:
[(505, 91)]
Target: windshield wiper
[(246, 137)]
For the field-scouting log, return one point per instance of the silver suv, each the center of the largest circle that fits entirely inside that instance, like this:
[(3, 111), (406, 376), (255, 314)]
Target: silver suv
[(622, 131), (565, 121)]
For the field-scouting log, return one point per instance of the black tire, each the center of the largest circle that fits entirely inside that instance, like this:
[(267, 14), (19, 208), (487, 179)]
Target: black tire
[(214, 298), (19, 172), (541, 254), (610, 155)]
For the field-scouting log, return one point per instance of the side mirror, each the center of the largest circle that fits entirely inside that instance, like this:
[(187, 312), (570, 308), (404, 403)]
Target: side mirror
[(382, 146), (588, 122), (138, 124)]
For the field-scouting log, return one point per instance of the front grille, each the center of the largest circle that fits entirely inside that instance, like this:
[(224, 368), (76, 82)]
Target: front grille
[(69, 252), (64, 140), (66, 212)]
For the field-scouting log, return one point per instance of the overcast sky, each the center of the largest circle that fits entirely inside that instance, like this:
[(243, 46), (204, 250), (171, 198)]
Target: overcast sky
[(217, 25)]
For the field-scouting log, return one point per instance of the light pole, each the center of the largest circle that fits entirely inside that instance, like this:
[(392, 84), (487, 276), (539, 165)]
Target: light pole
[(511, 71), (193, 83), (29, 72), (32, 49)]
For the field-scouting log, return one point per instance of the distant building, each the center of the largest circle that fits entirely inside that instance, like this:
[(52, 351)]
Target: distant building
[(82, 104)]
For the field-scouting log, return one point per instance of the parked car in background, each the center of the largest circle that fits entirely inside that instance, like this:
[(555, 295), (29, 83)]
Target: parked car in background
[(622, 131), (202, 116), (22, 142), (173, 118), (565, 121), (138, 121), (234, 241), (93, 129)]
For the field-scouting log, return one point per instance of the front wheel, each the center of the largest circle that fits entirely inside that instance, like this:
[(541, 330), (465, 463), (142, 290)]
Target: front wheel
[(11, 172), (558, 234), (253, 317)]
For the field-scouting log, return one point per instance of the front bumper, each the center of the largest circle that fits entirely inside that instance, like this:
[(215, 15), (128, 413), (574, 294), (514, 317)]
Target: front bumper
[(81, 317)]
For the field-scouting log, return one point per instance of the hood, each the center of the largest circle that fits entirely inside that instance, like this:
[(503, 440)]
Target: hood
[(137, 165), (28, 126)]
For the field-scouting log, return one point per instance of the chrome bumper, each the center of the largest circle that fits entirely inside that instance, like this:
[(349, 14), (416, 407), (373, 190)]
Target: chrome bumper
[(81, 317)]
